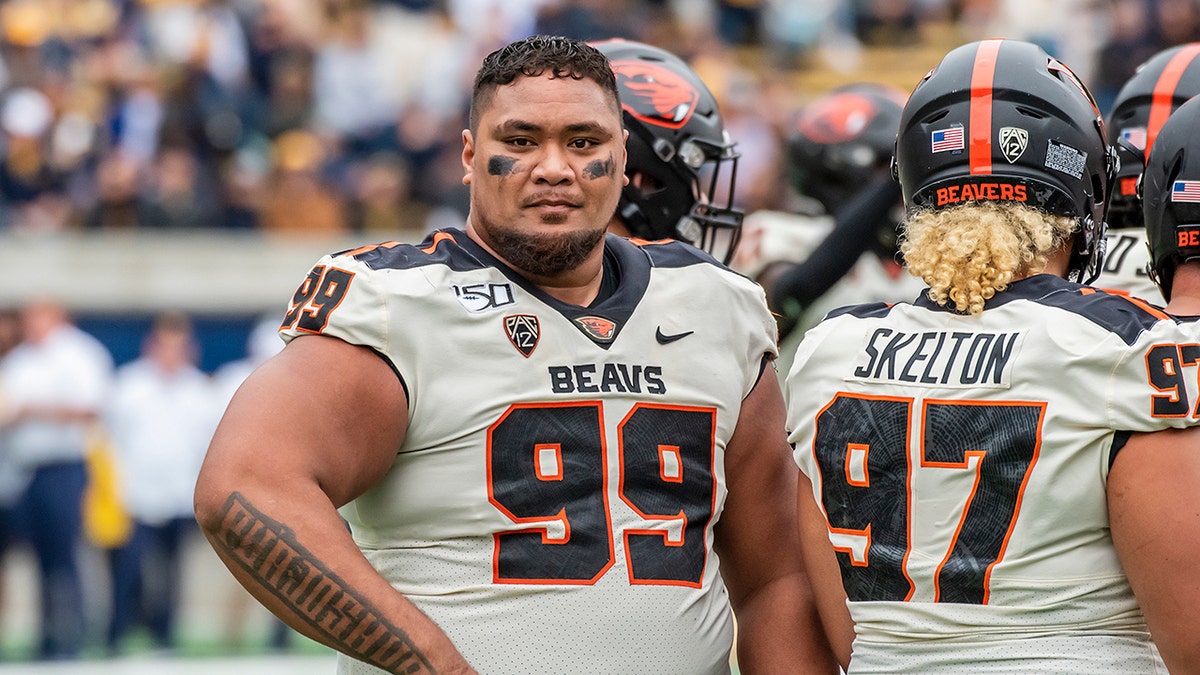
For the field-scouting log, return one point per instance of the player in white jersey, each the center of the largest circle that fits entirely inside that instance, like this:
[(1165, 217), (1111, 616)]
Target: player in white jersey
[(838, 246), (957, 448), (1159, 86), (557, 451), (1152, 523)]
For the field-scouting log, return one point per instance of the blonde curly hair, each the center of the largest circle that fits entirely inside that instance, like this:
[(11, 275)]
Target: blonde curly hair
[(967, 253)]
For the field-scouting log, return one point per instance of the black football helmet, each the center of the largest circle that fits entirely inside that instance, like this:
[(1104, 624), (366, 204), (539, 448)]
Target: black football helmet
[(1170, 190), (840, 141), (1159, 86), (678, 149), (1001, 120)]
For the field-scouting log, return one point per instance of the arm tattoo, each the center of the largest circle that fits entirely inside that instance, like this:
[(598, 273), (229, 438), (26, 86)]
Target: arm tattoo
[(269, 552)]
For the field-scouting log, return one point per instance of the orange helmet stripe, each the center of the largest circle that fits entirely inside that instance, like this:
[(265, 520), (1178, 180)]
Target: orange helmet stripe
[(1162, 102), (981, 106)]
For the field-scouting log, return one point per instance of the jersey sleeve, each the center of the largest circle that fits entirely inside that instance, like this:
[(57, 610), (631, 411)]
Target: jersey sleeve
[(340, 297), (1156, 384)]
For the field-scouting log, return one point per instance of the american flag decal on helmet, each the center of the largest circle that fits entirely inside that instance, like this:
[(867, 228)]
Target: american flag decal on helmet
[(523, 332), (1186, 191), (947, 139)]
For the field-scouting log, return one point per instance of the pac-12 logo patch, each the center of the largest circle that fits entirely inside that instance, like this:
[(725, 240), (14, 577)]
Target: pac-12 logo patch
[(523, 332), (1013, 141), (483, 296)]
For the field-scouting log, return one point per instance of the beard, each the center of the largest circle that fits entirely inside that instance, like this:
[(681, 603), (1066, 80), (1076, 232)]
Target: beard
[(541, 254)]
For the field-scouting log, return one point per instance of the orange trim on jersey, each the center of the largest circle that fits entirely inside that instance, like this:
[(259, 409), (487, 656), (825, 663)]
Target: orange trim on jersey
[(371, 247), (437, 239), (665, 451), (680, 517), (1148, 308), (1176, 392), (856, 457), (561, 515), (538, 465), (981, 106), (865, 533), (1012, 524), (638, 241), (317, 305), (1162, 101), (849, 551), (975, 466)]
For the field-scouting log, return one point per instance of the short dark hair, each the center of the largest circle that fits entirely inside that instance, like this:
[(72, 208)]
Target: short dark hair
[(533, 57)]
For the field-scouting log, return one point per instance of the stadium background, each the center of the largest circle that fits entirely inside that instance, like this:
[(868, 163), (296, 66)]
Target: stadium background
[(325, 162)]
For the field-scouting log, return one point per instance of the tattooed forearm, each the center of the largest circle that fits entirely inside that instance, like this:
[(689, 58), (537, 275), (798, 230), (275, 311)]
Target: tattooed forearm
[(269, 552)]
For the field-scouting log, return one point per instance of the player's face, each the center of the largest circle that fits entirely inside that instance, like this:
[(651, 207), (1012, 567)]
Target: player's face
[(546, 166)]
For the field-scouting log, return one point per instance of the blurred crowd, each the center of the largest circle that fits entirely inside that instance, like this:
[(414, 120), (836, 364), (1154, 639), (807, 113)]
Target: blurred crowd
[(344, 115)]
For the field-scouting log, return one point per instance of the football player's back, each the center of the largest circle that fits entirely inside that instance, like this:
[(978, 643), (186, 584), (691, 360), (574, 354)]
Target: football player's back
[(958, 448)]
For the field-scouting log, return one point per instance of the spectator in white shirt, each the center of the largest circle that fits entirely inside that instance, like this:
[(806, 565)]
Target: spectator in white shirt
[(160, 419)]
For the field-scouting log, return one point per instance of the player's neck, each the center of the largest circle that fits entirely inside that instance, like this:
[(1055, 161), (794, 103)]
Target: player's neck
[(1185, 290)]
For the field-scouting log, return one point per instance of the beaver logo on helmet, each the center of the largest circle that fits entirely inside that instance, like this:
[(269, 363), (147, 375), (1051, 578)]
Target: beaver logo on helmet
[(655, 94), (837, 118)]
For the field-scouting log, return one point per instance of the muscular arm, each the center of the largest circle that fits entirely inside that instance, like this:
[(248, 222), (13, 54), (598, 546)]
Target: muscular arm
[(1154, 509), (757, 539), (307, 432), (823, 570)]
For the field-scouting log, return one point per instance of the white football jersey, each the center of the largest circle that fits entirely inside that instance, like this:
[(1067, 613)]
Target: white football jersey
[(553, 504), (961, 463), (1126, 259), (770, 236)]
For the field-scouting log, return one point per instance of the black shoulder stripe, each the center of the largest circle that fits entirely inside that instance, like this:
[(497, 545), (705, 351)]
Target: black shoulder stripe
[(870, 310), (442, 247), (672, 253), (1117, 314)]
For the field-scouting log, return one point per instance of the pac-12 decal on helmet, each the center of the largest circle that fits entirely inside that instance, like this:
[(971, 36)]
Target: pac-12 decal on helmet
[(1161, 84), (681, 163), (1171, 194), (1064, 165)]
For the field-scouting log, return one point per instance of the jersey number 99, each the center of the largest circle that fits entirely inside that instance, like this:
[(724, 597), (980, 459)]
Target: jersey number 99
[(548, 462)]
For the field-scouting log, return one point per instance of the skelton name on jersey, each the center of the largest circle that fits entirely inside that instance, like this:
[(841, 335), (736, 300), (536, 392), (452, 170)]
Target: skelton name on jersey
[(950, 358)]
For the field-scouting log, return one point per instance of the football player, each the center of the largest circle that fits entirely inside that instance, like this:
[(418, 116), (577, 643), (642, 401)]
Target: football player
[(1159, 86), (682, 165), (558, 450), (1170, 206), (1153, 521), (838, 246), (963, 452)]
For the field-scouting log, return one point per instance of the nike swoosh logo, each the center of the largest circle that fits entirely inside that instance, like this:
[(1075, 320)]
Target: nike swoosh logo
[(664, 339)]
